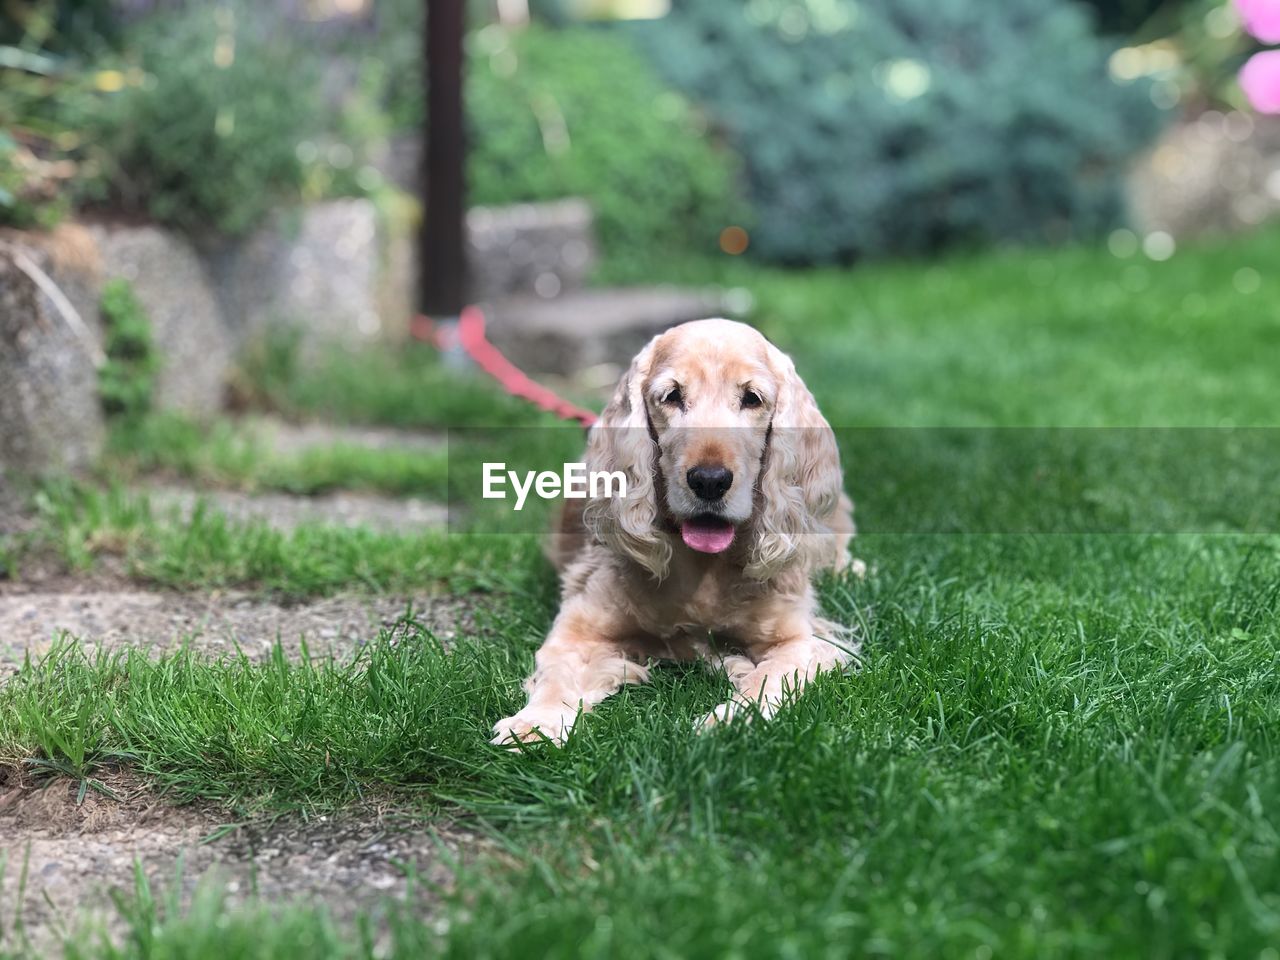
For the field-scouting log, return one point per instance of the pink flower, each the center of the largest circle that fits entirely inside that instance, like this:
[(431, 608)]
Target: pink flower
[(1260, 80), (1261, 18)]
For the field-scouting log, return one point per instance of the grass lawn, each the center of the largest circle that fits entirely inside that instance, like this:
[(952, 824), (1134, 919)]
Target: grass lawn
[(224, 454), (1061, 744)]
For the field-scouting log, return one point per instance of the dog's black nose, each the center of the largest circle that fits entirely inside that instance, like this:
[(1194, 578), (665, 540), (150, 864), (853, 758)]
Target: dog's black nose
[(710, 483)]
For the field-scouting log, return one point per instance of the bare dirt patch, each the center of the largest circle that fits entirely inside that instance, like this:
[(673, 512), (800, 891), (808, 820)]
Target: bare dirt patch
[(76, 853), (106, 614)]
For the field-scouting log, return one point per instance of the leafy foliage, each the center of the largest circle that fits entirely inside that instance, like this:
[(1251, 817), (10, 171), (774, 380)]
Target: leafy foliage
[(127, 380), (1125, 16), (578, 112), (37, 146), (27, 193), (899, 127), (204, 131), (61, 25), (1209, 48), (575, 112)]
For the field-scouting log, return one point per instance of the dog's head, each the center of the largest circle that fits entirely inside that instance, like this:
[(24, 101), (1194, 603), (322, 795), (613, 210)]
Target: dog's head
[(721, 443)]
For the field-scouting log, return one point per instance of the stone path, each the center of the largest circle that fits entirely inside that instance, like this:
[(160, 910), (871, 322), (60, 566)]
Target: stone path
[(568, 334), (103, 614), (345, 509), (285, 438), (285, 511), (76, 852)]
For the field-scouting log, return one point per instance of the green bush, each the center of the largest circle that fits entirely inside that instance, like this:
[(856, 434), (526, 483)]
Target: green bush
[(205, 133), (126, 381), (900, 126), (573, 112), (577, 112), (1127, 16), (65, 26), (1209, 58), (28, 195), (37, 146)]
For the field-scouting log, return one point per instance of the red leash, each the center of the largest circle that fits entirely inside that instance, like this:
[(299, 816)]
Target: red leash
[(471, 337)]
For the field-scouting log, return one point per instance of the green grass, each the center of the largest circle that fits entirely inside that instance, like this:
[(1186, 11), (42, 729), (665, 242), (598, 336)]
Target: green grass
[(1061, 745), (205, 930), (1069, 338), (407, 387), (402, 717), (226, 455), (207, 550)]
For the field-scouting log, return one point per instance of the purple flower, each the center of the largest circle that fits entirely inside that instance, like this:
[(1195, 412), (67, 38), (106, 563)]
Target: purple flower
[(1261, 18), (1260, 80)]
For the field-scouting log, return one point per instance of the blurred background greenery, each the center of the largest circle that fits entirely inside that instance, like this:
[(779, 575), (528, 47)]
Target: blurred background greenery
[(821, 130)]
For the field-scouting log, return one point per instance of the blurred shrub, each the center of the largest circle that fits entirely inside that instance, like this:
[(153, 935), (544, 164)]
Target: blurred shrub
[(899, 126), (59, 25), (29, 186), (1196, 56), (570, 112), (393, 62), (267, 368), (578, 112), (126, 381), (203, 126), (37, 147), (1126, 16)]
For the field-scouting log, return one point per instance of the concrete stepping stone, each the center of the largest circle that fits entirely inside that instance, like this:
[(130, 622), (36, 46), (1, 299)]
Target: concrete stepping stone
[(589, 328), (284, 511), (288, 439), (106, 616)]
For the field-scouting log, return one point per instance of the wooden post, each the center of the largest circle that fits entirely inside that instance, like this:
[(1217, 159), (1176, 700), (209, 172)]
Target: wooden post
[(441, 250)]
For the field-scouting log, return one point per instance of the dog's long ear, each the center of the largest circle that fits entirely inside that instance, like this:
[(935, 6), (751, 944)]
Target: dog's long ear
[(620, 441), (801, 482)]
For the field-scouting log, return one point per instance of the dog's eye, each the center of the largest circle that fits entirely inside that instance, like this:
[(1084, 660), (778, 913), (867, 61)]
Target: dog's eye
[(673, 398), (751, 399)]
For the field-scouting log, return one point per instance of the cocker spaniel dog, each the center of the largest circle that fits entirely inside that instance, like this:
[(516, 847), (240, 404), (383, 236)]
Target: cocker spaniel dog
[(734, 501)]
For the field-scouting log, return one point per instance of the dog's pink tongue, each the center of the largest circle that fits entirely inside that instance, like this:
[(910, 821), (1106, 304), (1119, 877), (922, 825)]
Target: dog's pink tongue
[(707, 535)]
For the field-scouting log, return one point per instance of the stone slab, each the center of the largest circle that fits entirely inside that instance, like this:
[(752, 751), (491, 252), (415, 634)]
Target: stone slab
[(601, 326), (50, 346), (190, 334)]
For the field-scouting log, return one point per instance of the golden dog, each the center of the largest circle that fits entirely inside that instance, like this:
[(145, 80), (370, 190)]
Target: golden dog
[(734, 501)]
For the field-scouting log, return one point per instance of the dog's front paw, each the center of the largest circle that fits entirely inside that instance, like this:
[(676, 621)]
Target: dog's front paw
[(719, 716), (533, 726), (731, 710)]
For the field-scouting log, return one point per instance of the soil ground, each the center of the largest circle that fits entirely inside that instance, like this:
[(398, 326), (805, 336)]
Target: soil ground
[(65, 855)]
